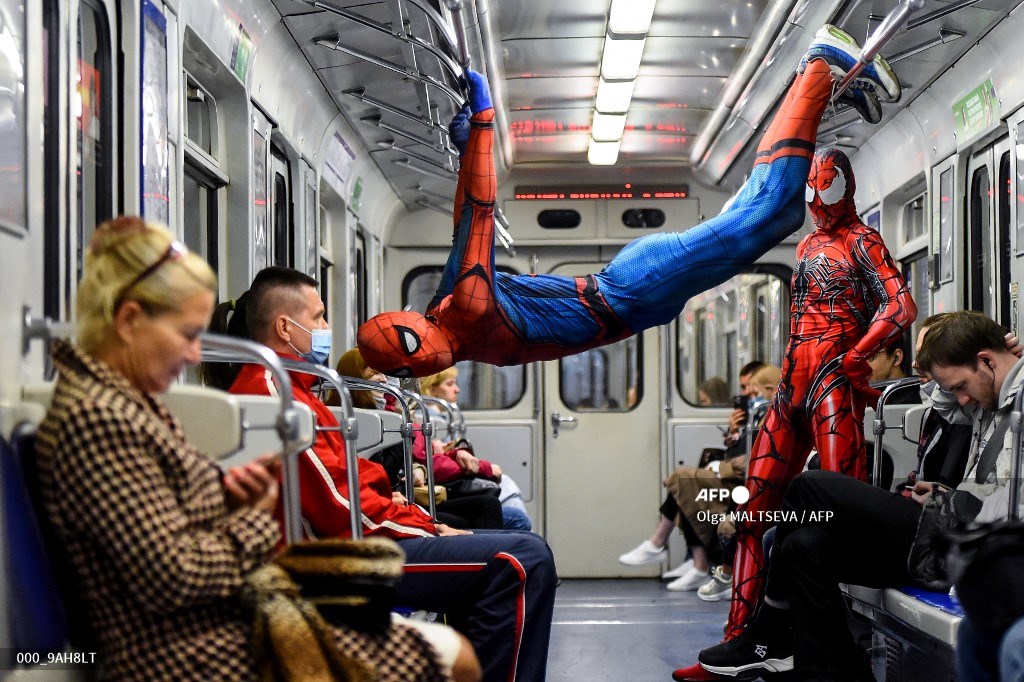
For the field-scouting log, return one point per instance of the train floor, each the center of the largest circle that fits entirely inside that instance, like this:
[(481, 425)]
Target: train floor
[(628, 629)]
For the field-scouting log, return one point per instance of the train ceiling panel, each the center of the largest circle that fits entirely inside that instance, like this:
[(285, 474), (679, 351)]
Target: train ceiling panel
[(548, 56)]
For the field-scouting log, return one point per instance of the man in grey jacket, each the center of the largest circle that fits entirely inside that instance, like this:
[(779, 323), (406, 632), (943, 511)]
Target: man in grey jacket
[(835, 529)]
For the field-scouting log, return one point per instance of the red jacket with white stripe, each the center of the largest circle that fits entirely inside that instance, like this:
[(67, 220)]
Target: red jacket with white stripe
[(323, 475)]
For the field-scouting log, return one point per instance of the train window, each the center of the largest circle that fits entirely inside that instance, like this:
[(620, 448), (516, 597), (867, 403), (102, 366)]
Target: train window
[(359, 275), (606, 379), (483, 387), (1004, 198), (559, 219), (325, 282), (200, 117), (94, 139), (722, 329), (643, 218), (199, 214), (913, 218), (980, 279), (52, 166), (203, 175), (945, 265), (281, 214)]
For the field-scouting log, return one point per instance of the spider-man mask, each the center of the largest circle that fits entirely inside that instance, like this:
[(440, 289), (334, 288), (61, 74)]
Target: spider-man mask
[(404, 344), (830, 190)]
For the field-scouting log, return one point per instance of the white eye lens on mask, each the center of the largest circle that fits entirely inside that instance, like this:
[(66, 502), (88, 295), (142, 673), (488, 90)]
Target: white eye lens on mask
[(835, 192)]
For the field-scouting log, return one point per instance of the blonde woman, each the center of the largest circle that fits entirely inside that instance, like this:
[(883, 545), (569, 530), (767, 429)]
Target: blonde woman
[(444, 385), (159, 540)]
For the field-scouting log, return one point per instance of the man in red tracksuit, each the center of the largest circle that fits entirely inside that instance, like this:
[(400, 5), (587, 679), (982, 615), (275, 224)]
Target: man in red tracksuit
[(497, 587)]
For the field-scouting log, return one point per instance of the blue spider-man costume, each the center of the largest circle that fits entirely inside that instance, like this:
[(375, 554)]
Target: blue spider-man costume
[(487, 316)]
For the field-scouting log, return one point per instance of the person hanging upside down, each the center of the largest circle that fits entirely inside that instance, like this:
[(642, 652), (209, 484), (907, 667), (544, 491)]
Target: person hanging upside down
[(487, 316), (849, 300)]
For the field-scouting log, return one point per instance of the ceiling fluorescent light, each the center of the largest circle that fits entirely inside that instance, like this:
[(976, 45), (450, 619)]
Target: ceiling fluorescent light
[(631, 16), (614, 96), (621, 58), (603, 153), (608, 127)]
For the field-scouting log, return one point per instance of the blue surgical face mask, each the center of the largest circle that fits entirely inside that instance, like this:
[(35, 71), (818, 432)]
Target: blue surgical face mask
[(320, 350)]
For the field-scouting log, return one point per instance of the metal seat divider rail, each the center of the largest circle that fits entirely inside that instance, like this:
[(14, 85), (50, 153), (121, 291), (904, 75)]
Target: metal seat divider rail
[(449, 413), (349, 432), (355, 383), (427, 429), (221, 348), (460, 417), (879, 427)]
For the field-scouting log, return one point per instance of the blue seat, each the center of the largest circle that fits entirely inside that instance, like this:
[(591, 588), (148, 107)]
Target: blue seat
[(36, 615), (940, 600)]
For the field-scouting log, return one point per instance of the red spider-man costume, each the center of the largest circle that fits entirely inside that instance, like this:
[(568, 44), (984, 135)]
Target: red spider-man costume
[(849, 300)]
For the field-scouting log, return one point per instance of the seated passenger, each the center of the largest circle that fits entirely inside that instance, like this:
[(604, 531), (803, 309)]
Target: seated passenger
[(482, 511), (444, 385), (160, 540), (497, 587), (683, 508), (887, 364), (713, 392), (866, 541)]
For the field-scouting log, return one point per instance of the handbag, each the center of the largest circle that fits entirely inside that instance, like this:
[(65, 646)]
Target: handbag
[(464, 487), (350, 582), (944, 511)]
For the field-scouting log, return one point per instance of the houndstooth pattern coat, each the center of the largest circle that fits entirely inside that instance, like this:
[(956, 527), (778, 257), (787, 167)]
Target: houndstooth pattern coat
[(158, 557)]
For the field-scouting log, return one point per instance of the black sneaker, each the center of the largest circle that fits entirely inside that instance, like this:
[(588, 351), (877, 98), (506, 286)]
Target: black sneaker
[(750, 651)]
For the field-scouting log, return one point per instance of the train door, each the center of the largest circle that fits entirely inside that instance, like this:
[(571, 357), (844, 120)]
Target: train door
[(987, 233), (602, 450)]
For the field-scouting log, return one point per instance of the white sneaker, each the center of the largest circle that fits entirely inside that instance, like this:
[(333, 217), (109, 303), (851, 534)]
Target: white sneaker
[(719, 588), (679, 571), (645, 553), (693, 579)]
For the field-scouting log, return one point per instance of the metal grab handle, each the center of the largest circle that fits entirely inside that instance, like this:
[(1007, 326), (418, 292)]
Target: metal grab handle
[(879, 426), (221, 348), (557, 420), (879, 37), (449, 411), (408, 426), (428, 455), (349, 430), (455, 6)]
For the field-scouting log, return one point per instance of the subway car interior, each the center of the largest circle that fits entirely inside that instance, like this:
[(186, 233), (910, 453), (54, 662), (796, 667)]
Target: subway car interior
[(314, 135)]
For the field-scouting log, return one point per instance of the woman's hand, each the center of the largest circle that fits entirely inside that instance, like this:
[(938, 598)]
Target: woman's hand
[(495, 470), (253, 485), (399, 499), (447, 531), (467, 462)]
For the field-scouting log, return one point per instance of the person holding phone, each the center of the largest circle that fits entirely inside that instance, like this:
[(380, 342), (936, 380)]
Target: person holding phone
[(159, 541)]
